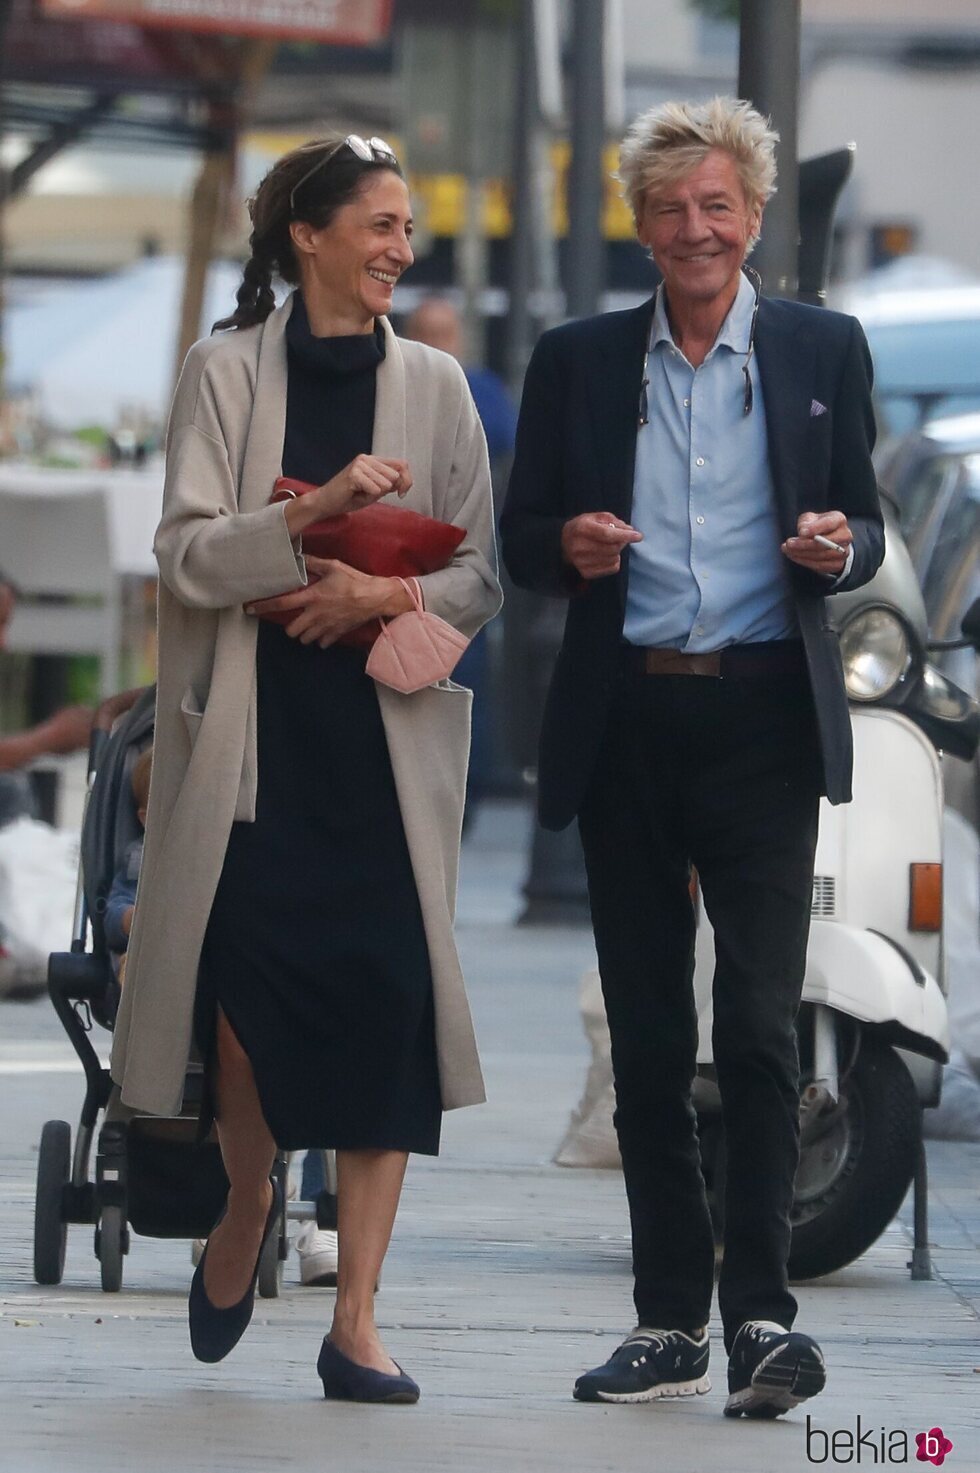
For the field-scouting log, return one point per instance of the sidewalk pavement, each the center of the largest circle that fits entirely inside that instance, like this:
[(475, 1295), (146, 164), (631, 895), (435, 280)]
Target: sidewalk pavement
[(506, 1278)]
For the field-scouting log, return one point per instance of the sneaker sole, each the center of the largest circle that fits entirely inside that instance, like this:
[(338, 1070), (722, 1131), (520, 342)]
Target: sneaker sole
[(324, 1279), (663, 1391), (790, 1376)]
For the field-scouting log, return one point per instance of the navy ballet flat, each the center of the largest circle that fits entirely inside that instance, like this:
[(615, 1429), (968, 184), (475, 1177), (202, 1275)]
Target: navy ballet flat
[(345, 1380), (215, 1332)]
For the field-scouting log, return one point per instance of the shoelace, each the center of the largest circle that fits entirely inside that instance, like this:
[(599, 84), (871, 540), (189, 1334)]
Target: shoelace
[(647, 1339)]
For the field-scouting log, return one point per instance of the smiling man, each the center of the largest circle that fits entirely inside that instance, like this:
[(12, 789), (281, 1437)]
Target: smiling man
[(695, 475)]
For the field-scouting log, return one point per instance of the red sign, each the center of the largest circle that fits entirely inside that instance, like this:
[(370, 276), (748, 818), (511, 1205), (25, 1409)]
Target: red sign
[(343, 22)]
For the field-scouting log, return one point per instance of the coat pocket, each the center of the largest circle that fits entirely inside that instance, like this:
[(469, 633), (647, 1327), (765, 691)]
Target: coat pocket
[(193, 718), (193, 715)]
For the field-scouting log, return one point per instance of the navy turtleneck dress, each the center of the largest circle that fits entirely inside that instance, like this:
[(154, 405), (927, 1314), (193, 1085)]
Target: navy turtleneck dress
[(315, 949)]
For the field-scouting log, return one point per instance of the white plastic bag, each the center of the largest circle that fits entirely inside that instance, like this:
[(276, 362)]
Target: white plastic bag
[(38, 874)]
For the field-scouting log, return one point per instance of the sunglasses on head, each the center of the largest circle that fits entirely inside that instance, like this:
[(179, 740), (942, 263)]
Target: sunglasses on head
[(369, 150)]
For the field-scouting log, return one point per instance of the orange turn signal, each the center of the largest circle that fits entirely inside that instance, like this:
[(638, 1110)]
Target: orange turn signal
[(925, 897)]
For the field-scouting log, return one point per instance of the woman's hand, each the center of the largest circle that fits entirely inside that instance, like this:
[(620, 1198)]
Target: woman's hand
[(366, 480), (338, 598)]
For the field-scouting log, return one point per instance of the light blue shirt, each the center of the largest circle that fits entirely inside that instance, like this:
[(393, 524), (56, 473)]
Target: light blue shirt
[(709, 572)]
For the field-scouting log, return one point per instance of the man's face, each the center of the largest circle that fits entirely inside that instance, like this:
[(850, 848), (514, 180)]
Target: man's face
[(698, 231)]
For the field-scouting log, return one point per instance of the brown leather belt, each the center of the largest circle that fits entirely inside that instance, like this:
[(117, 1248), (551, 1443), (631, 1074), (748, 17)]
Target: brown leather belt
[(774, 657)]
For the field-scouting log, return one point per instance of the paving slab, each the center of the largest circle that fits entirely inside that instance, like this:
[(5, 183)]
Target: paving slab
[(507, 1276)]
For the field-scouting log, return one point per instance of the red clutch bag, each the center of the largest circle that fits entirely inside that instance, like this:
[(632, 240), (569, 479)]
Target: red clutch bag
[(386, 541)]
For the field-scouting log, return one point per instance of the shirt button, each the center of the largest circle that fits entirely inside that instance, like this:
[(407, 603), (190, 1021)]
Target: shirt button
[(700, 521), (687, 403), (700, 460)]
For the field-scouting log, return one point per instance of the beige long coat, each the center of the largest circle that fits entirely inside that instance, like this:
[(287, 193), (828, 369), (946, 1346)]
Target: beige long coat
[(220, 544)]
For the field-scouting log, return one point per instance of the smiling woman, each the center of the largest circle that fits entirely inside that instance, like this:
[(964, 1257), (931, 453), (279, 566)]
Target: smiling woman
[(303, 822)]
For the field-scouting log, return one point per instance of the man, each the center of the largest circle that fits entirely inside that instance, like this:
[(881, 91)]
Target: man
[(696, 476), (436, 321), (63, 731)]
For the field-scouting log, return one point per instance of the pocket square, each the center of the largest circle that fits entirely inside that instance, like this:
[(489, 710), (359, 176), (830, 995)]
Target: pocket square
[(816, 408)]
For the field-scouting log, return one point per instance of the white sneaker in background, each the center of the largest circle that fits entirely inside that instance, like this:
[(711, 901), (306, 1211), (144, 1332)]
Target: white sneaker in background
[(317, 1251)]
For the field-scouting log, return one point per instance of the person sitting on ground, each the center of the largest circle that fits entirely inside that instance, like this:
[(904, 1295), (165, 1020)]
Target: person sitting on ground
[(121, 902), (65, 731)]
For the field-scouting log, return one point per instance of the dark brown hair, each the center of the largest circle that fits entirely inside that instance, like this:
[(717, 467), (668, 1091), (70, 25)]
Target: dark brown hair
[(318, 199)]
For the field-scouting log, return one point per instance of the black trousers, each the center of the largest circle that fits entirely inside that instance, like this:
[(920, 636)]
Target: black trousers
[(722, 773)]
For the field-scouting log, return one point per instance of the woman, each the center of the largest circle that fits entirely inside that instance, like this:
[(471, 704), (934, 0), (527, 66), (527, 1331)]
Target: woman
[(295, 904)]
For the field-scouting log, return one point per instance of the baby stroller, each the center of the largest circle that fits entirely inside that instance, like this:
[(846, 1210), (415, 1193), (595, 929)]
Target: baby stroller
[(151, 1176)]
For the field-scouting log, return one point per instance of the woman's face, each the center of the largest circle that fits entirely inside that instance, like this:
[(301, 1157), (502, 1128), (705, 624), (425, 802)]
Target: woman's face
[(349, 268)]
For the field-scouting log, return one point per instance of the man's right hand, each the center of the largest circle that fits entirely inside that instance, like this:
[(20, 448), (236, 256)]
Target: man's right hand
[(592, 543)]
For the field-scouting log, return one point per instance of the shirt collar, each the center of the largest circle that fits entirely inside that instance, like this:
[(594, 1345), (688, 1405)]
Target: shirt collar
[(734, 331)]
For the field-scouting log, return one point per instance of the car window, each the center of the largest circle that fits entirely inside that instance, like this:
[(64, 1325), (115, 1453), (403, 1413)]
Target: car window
[(925, 369), (918, 493), (950, 582)]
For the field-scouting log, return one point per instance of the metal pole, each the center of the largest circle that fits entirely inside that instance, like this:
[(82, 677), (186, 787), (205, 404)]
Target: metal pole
[(588, 118), (522, 238), (555, 890), (769, 78)]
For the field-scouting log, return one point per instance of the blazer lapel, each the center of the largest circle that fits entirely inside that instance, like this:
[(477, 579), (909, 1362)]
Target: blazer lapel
[(614, 401), (786, 355)]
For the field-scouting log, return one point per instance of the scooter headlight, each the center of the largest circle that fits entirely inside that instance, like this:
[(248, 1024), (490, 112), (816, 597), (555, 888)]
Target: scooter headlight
[(874, 647)]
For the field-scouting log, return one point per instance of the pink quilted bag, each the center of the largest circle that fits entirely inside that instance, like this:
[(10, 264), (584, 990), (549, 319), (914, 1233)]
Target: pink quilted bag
[(414, 649)]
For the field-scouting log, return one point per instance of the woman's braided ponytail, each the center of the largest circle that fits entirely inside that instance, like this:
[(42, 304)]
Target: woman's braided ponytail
[(255, 296)]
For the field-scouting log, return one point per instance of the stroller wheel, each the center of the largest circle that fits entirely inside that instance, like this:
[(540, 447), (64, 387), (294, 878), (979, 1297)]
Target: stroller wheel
[(111, 1245), (50, 1228), (270, 1264)]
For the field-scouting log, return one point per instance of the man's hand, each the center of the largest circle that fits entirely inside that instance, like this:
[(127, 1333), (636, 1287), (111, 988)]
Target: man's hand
[(592, 543), (808, 553)]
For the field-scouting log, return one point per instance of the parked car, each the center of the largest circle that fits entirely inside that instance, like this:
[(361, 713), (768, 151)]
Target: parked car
[(926, 349)]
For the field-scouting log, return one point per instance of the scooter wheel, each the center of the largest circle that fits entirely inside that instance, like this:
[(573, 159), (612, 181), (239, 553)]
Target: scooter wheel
[(853, 1176)]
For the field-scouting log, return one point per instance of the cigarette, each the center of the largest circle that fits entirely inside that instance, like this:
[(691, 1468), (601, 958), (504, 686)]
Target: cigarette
[(826, 542)]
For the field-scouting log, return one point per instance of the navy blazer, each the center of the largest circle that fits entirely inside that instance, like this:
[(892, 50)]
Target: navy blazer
[(576, 442)]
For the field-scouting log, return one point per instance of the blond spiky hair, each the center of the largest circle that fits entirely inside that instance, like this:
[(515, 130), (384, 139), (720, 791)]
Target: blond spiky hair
[(669, 141)]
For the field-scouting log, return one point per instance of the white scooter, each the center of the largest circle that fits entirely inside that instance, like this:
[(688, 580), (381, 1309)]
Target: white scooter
[(873, 1026)]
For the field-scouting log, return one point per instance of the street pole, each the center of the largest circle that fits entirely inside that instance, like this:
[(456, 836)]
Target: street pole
[(555, 889), (588, 129), (769, 78), (522, 236)]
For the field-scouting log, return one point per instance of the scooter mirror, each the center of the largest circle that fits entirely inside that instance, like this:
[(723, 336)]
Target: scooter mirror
[(971, 624)]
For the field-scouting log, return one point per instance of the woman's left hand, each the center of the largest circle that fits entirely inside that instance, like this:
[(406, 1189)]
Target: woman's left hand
[(337, 598)]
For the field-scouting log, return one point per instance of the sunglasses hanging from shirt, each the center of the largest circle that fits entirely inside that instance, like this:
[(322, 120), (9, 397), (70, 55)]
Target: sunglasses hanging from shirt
[(368, 150), (747, 392)]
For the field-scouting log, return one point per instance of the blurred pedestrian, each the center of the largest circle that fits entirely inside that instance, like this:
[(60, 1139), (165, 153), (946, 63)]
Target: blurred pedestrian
[(436, 321), (66, 730), (695, 476), (303, 825)]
